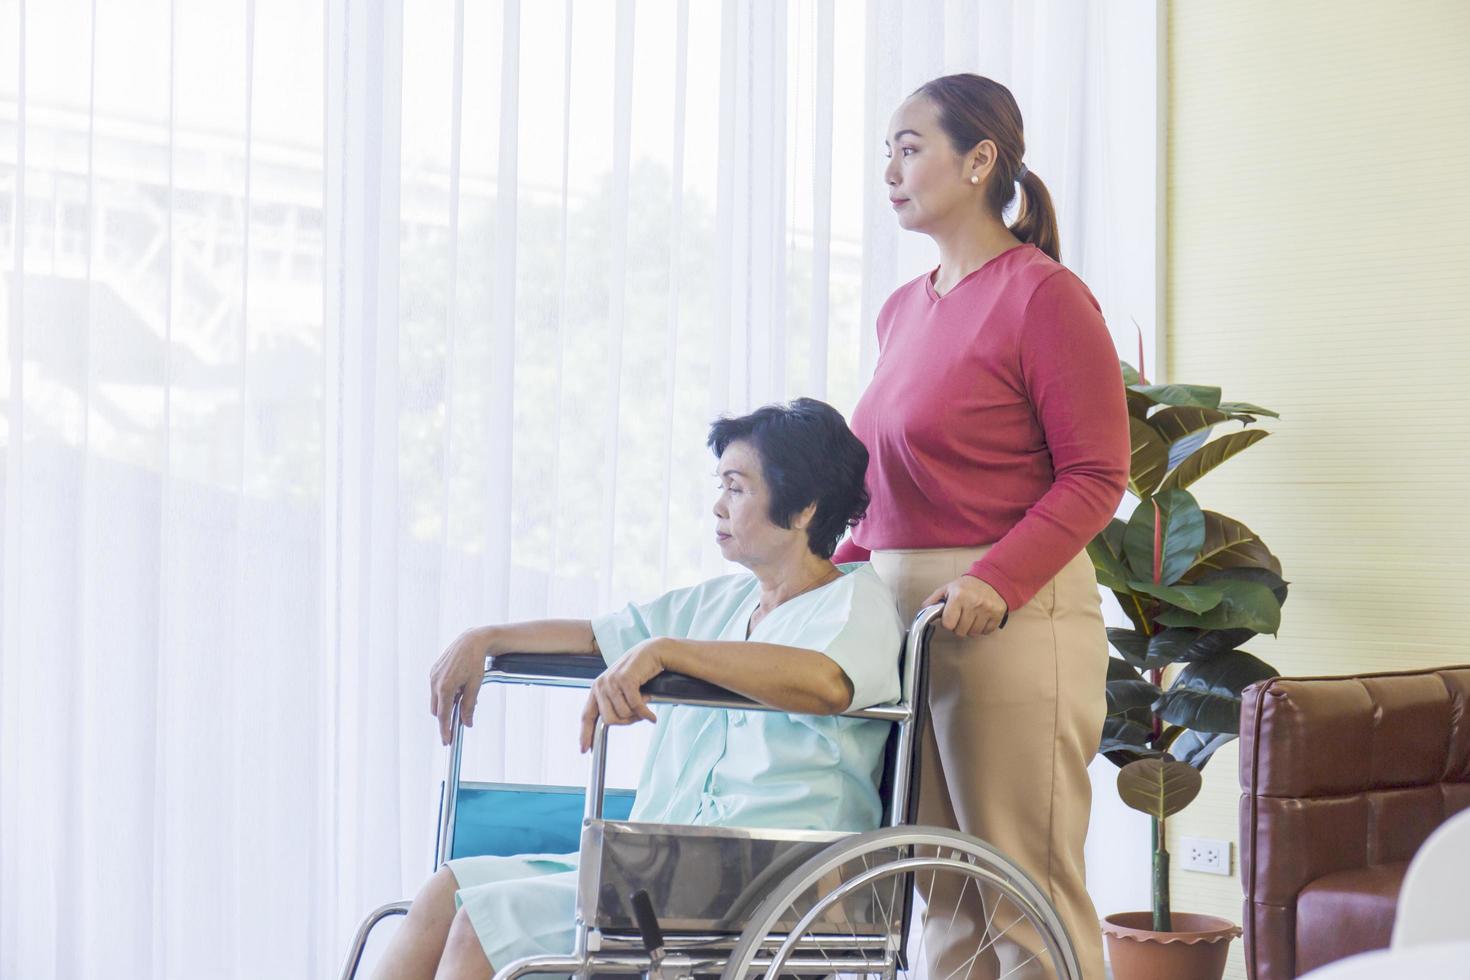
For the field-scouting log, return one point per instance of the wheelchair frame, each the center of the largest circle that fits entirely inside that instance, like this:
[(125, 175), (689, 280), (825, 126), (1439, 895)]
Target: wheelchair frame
[(599, 950)]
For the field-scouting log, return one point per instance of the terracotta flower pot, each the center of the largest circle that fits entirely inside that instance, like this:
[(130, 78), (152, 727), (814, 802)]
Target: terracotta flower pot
[(1195, 950)]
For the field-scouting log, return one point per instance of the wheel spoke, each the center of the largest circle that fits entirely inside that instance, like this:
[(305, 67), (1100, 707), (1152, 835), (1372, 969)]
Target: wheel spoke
[(890, 943), (967, 966), (851, 929), (820, 947), (825, 915), (896, 929), (924, 922), (1013, 969), (996, 938), (958, 900)]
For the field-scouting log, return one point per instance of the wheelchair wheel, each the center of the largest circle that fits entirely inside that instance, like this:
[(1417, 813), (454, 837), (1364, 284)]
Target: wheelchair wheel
[(859, 908)]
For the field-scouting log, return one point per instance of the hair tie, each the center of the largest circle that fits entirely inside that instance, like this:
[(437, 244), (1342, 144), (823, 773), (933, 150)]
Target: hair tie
[(1021, 174)]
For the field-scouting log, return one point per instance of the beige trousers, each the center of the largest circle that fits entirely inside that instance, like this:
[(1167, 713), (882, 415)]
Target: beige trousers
[(1014, 719)]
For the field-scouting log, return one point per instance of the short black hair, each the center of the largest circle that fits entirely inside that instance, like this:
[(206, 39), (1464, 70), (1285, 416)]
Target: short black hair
[(809, 456)]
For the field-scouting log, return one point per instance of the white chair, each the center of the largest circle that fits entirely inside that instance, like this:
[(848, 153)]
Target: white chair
[(1430, 961), (1431, 905)]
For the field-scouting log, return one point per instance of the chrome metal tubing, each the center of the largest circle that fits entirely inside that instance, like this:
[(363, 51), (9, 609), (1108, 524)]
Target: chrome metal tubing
[(451, 785), (359, 941), (675, 962), (537, 680), (538, 964), (709, 943), (597, 773), (592, 810), (916, 644)]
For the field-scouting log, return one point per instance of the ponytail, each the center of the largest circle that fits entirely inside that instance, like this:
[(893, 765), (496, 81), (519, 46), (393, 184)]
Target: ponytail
[(1036, 219)]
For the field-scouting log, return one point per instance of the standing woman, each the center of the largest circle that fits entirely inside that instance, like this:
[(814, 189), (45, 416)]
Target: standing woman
[(998, 440)]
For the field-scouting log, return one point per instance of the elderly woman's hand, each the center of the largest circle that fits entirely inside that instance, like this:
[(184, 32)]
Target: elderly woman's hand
[(457, 674), (616, 696), (971, 607)]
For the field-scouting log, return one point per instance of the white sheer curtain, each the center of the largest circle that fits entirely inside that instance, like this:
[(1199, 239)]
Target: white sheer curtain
[(330, 329)]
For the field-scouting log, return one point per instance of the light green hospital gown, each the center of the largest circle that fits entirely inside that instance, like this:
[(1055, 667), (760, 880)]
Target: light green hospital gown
[(721, 767)]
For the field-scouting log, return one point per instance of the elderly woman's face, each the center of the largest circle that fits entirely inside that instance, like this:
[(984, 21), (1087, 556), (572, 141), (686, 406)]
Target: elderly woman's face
[(743, 527)]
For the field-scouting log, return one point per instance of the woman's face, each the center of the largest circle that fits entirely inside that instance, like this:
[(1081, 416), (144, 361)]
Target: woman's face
[(742, 528), (928, 182)]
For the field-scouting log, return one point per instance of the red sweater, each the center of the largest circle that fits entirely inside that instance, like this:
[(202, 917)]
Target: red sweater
[(995, 415)]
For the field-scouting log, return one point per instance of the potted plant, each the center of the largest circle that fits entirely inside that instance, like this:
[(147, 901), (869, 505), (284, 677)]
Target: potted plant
[(1195, 585)]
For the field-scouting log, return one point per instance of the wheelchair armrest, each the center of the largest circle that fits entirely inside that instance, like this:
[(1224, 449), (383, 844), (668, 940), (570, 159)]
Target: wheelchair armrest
[(681, 688), (578, 666), (666, 687)]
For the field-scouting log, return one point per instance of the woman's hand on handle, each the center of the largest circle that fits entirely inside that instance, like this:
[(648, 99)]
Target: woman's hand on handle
[(457, 675), (971, 607), (617, 695)]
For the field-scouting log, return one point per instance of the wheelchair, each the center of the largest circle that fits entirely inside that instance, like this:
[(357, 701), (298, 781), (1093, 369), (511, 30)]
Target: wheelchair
[(682, 902)]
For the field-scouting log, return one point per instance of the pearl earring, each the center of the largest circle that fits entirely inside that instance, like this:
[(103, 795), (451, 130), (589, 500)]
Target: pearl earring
[(974, 178)]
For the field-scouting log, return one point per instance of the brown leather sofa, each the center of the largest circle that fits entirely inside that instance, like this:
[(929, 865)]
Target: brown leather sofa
[(1343, 778)]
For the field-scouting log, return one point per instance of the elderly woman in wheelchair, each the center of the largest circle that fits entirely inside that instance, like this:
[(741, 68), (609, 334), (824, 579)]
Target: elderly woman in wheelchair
[(797, 634)]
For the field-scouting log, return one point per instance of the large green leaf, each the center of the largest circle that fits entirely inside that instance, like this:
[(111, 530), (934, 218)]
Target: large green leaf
[(1209, 456), (1244, 605), (1230, 544), (1132, 607), (1139, 405), (1130, 373), (1106, 552), (1165, 647), (1246, 408), (1173, 424), (1120, 728), (1120, 671), (1247, 573), (1134, 647), (1133, 701), (1119, 733), (1132, 644), (1193, 598), (1181, 644), (1182, 534), (1185, 429), (1158, 787), (1195, 749), (1129, 723), (1197, 396), (1150, 458), (1122, 750), (1186, 447), (1206, 695), (1129, 700)]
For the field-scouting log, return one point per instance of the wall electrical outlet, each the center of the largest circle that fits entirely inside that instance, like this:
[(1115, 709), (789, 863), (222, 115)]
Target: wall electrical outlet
[(1203, 854)]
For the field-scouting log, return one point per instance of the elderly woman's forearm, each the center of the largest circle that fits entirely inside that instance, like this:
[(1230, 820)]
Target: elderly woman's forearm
[(541, 636), (789, 678)]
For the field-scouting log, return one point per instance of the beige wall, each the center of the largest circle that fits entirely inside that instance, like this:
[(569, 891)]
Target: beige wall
[(1319, 264)]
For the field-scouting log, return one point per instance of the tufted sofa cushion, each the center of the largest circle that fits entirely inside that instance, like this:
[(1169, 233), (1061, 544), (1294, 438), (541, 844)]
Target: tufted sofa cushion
[(1342, 779)]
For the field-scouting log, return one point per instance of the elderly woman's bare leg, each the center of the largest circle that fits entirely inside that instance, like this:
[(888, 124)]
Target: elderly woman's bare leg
[(464, 957), (417, 946)]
